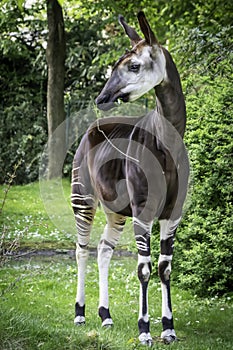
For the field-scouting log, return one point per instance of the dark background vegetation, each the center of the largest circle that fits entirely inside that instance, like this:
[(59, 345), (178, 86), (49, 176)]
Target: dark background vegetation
[(199, 36)]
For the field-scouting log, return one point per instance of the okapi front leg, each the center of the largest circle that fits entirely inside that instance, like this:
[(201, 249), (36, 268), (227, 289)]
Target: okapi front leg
[(105, 251), (142, 234), (167, 236), (109, 239), (82, 258)]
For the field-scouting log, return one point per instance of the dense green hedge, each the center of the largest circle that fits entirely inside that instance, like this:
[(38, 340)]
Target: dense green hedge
[(203, 256)]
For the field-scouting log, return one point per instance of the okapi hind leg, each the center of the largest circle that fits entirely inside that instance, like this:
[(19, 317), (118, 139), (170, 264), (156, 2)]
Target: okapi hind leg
[(167, 236), (84, 207), (108, 241), (84, 215), (82, 254)]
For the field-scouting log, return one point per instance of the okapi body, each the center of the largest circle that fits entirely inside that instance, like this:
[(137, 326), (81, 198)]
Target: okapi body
[(135, 167)]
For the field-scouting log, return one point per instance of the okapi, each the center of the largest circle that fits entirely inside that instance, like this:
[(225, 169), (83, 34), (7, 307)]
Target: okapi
[(136, 167)]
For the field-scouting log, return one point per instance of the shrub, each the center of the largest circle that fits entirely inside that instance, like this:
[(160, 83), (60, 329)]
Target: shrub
[(203, 255)]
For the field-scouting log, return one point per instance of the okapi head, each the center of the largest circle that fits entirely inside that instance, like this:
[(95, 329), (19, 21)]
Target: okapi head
[(138, 70)]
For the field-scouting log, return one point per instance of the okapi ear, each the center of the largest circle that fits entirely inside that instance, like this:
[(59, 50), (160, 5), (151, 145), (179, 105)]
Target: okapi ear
[(131, 32), (146, 29)]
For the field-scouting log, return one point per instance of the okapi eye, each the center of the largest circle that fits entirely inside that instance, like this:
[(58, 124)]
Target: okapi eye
[(134, 68)]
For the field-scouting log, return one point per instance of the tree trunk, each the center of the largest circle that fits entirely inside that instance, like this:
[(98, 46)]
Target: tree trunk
[(55, 55)]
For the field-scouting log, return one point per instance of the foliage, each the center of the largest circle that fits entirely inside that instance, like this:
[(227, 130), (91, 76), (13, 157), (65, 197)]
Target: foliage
[(22, 85), (7, 247), (90, 29), (23, 71), (203, 256)]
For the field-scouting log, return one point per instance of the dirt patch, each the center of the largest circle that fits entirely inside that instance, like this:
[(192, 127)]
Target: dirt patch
[(67, 253)]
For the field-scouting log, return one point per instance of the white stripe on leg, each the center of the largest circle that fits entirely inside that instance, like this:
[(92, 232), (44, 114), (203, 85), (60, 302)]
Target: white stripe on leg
[(82, 258), (104, 257), (107, 243)]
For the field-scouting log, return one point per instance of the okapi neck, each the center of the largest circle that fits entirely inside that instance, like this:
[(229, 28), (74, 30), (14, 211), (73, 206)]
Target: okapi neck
[(170, 101), (172, 107)]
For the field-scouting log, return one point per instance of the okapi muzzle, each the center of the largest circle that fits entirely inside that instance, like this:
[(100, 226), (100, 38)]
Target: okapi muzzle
[(111, 93)]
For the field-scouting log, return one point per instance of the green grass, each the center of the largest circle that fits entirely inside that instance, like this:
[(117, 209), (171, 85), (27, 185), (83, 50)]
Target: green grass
[(37, 310), (41, 214), (37, 295)]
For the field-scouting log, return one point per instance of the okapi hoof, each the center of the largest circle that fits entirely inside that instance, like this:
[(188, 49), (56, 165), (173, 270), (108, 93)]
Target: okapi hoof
[(169, 336), (107, 323), (79, 320), (145, 339), (105, 317)]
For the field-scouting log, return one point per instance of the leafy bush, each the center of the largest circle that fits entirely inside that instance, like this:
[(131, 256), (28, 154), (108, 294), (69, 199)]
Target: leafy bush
[(20, 142), (23, 80), (203, 255), (22, 93)]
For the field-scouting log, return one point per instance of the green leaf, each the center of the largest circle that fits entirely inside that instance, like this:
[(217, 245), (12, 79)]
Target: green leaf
[(61, 2), (20, 4)]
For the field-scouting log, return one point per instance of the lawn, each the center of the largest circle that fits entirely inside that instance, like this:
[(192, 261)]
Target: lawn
[(37, 309), (37, 293), (40, 214)]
